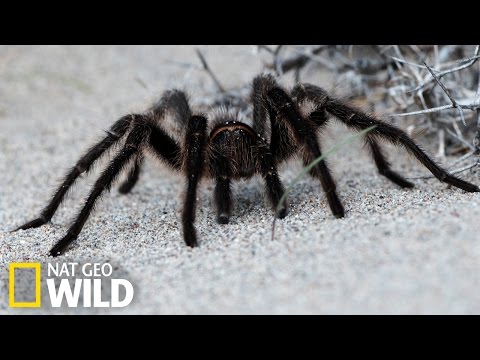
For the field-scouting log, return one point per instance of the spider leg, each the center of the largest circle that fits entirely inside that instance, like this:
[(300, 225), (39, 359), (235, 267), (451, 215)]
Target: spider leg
[(135, 139), (358, 120), (132, 176), (319, 116), (322, 172), (176, 102), (383, 165), (165, 148), (306, 135), (281, 146), (223, 192), (196, 139), (260, 110), (273, 184), (173, 101), (84, 165), (223, 200)]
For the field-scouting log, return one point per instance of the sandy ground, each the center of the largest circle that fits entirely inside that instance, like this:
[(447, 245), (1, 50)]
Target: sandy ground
[(397, 251)]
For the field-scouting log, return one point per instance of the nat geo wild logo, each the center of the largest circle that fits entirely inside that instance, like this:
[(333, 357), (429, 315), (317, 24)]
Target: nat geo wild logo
[(72, 284)]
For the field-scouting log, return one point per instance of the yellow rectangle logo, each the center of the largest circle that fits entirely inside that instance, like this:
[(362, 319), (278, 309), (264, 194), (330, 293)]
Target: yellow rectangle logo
[(33, 304)]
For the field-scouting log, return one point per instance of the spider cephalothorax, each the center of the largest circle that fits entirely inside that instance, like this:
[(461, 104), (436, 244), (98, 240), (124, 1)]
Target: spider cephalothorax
[(229, 149)]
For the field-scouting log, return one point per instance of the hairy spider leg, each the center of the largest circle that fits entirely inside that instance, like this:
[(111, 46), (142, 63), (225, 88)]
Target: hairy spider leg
[(318, 96), (358, 120), (281, 145), (84, 165), (132, 177), (273, 184), (174, 102), (223, 192), (383, 165), (143, 133), (305, 135), (134, 141), (196, 139)]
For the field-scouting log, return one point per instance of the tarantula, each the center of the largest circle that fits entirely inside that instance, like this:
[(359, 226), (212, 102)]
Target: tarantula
[(228, 149)]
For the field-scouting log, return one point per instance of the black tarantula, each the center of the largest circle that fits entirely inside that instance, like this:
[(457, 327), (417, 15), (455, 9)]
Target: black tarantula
[(228, 149)]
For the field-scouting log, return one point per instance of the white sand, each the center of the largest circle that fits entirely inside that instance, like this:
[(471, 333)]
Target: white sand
[(396, 251)]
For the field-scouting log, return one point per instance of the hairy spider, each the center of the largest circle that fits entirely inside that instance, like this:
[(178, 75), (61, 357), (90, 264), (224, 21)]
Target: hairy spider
[(228, 149)]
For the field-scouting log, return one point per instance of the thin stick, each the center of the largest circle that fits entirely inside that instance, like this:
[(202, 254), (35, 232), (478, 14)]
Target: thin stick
[(461, 139), (454, 172), (461, 159), (476, 141), (454, 103), (298, 61), (266, 48), (320, 60), (437, 109), (277, 60), (467, 59), (210, 72), (426, 111), (445, 72), (406, 62)]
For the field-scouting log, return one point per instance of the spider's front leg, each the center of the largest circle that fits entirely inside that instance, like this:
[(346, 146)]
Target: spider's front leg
[(194, 156), (223, 191), (144, 133), (114, 135), (137, 137)]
